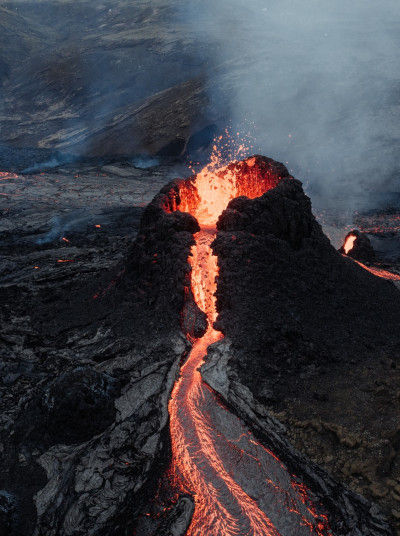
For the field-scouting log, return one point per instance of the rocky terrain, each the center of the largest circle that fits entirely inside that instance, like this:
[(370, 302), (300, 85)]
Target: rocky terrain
[(121, 78), (91, 343), (89, 347), (162, 77), (96, 100), (313, 338)]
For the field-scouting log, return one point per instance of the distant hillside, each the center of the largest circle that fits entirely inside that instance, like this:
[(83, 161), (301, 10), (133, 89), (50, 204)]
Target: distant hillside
[(316, 83), (79, 72), (19, 39)]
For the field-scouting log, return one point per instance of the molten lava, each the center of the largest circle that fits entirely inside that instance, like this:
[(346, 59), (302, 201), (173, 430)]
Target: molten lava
[(349, 243), (379, 272), (233, 478), (213, 187), (5, 175)]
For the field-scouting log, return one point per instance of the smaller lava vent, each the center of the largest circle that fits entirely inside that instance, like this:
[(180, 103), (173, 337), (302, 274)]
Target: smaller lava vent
[(358, 246)]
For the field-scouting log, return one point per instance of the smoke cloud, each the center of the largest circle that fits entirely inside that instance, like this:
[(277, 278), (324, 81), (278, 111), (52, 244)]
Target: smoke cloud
[(318, 79), (316, 82)]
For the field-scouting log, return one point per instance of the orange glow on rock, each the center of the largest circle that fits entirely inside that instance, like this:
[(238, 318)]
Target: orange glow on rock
[(379, 272), (208, 194), (5, 175), (349, 243)]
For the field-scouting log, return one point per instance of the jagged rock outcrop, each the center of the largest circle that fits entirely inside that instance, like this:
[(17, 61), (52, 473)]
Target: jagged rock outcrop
[(88, 369), (361, 247), (310, 333), (295, 296)]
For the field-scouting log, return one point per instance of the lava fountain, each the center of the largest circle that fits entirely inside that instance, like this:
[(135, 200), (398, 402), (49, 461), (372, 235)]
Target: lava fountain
[(239, 487)]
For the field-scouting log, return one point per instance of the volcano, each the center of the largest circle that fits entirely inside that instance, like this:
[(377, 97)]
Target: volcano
[(204, 456), (201, 450), (230, 315)]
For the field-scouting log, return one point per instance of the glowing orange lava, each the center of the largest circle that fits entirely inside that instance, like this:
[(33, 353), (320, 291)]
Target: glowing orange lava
[(5, 175), (234, 480), (379, 272), (214, 186), (349, 243)]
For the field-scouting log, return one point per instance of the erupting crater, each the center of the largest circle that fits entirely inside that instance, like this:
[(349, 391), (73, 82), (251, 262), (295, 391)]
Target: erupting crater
[(239, 487)]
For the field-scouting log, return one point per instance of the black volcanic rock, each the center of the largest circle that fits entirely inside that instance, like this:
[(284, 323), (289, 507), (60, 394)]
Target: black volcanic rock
[(89, 358), (72, 409), (310, 335), (194, 321), (7, 513), (287, 295), (362, 249)]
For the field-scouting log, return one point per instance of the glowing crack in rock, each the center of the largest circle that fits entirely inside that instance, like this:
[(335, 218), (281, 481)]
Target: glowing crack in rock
[(239, 487), (379, 272)]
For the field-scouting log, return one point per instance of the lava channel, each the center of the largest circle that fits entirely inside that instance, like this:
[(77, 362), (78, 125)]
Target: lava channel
[(239, 487), (378, 272)]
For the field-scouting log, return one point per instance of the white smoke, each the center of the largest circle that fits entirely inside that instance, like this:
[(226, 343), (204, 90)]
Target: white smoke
[(319, 79)]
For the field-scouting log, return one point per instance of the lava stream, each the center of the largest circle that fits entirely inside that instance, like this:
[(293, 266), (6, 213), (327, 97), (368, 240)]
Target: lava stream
[(239, 487), (349, 243), (379, 272)]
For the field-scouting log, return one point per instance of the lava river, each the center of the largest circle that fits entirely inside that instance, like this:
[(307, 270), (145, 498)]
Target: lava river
[(239, 487)]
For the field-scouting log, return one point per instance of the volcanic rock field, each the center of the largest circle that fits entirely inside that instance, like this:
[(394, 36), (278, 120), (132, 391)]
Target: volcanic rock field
[(91, 348), (199, 268)]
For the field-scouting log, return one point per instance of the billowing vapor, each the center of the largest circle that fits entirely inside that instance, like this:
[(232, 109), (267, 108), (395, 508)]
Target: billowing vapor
[(319, 80)]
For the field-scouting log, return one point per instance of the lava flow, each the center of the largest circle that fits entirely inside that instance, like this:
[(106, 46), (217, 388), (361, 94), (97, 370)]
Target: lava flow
[(379, 272), (5, 175), (348, 246), (239, 487)]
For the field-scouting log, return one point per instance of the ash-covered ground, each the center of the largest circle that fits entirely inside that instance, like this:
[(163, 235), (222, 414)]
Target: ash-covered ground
[(85, 215)]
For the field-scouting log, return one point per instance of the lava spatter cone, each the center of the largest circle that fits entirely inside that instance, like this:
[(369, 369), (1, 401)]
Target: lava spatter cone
[(358, 246), (273, 315), (256, 227)]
